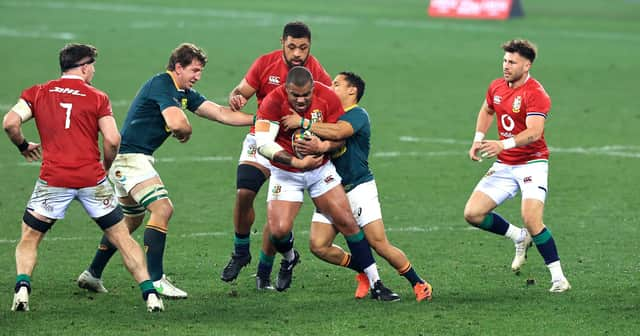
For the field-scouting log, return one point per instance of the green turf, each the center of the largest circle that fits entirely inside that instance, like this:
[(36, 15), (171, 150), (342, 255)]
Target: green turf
[(426, 80)]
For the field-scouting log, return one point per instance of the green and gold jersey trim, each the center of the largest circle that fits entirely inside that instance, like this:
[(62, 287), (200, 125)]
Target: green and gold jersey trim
[(174, 81)]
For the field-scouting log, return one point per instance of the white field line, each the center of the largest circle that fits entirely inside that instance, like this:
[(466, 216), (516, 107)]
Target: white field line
[(624, 151), (412, 230), (258, 18), (630, 151), (39, 34)]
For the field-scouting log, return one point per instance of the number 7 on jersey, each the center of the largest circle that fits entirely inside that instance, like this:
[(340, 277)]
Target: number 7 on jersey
[(68, 107)]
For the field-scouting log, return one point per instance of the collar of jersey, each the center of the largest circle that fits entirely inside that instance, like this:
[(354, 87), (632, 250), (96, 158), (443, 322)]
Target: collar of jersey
[(72, 77), (351, 107), (174, 81)]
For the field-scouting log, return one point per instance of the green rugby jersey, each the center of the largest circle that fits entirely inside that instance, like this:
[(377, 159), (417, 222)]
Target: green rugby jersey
[(144, 129), (352, 160)]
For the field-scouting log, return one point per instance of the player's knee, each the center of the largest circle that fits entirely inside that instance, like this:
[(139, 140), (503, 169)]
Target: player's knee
[(278, 234), (36, 224), (532, 222), (163, 210), (472, 216), (380, 245), (245, 198), (344, 220), (249, 177), (318, 248)]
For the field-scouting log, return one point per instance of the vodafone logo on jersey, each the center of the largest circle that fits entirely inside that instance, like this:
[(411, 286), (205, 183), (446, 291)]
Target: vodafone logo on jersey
[(73, 92)]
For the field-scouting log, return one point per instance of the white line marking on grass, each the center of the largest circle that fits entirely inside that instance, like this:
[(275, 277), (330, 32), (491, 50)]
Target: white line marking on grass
[(10, 32), (162, 159), (412, 229), (630, 151), (398, 154), (271, 19), (195, 159)]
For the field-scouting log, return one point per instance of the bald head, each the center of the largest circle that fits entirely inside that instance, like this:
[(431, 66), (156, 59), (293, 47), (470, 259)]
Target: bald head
[(299, 76)]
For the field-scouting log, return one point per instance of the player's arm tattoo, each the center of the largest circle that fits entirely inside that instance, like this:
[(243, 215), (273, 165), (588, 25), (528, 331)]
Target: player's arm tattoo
[(283, 157)]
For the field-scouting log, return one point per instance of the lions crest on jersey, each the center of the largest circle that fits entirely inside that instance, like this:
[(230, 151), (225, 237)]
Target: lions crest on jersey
[(515, 108), (316, 116)]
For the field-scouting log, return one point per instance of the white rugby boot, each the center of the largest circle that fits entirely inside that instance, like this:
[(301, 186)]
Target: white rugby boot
[(154, 303), (166, 289), (560, 286), (521, 252), (21, 300)]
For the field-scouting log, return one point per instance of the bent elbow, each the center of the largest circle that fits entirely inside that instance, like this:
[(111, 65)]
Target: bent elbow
[(181, 128), (10, 124)]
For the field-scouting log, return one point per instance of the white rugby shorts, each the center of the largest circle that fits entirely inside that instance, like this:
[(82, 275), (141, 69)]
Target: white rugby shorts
[(250, 152), (364, 204), (290, 186), (52, 202), (502, 181), (130, 169)]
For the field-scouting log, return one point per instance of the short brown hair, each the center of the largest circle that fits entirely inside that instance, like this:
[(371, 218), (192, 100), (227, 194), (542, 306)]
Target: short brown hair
[(71, 55), (184, 54), (525, 48)]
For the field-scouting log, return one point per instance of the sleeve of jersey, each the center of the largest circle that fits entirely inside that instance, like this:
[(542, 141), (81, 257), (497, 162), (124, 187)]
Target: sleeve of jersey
[(320, 74), (29, 95), (489, 97), (270, 108), (253, 74), (194, 100), (539, 103), (161, 94), (357, 118), (104, 107)]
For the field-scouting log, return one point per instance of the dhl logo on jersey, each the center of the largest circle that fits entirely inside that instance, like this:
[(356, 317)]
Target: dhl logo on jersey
[(67, 91)]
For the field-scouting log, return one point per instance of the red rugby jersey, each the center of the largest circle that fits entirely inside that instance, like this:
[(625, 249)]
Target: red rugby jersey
[(270, 70), (66, 112), (325, 107), (512, 107)]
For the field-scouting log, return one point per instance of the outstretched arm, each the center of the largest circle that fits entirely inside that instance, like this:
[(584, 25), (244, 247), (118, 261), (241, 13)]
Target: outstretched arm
[(224, 115), (12, 124)]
